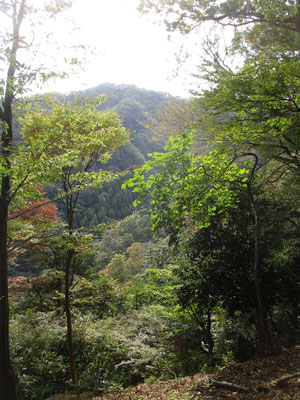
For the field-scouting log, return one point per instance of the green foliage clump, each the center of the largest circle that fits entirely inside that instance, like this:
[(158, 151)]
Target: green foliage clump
[(39, 354)]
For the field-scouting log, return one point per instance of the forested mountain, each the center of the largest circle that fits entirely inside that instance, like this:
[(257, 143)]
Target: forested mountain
[(135, 106)]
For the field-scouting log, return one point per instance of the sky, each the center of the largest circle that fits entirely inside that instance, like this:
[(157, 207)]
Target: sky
[(128, 48)]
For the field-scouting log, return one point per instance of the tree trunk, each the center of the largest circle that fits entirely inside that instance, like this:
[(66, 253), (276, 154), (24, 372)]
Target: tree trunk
[(8, 381), (208, 334), (264, 343), (72, 370), (205, 328)]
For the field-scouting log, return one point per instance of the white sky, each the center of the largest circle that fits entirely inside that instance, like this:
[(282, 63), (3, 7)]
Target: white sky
[(129, 48)]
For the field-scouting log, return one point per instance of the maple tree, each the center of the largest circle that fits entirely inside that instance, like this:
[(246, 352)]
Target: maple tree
[(75, 138), (30, 227)]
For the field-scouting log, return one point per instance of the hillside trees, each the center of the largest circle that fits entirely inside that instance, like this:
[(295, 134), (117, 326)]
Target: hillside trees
[(251, 112), (15, 80), (191, 193), (190, 190), (81, 138), (256, 109)]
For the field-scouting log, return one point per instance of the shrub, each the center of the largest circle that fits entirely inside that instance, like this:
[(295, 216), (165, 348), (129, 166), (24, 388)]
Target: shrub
[(39, 354)]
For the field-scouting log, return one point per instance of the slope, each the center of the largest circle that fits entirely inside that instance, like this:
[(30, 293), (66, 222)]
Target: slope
[(261, 376)]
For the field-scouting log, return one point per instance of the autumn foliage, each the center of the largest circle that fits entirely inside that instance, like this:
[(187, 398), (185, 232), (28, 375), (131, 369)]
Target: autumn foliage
[(18, 286), (41, 210)]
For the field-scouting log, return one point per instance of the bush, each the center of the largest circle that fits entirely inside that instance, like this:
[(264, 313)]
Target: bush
[(148, 344), (122, 350), (39, 354), (109, 353)]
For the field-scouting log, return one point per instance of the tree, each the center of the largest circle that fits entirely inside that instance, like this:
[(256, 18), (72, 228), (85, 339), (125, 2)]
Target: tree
[(190, 190), (256, 110), (186, 15), (252, 109), (262, 104), (18, 78), (78, 138), (116, 268), (134, 262), (217, 267), (183, 180), (263, 22)]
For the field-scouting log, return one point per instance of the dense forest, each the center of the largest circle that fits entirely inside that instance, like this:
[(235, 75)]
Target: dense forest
[(144, 237), (136, 107)]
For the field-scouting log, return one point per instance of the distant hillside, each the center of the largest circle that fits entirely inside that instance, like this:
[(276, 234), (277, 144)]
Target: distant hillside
[(135, 106)]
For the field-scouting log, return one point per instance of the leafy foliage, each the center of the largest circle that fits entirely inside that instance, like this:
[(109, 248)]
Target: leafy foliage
[(186, 15), (188, 189)]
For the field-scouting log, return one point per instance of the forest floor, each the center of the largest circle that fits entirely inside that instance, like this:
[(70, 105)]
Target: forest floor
[(260, 376)]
